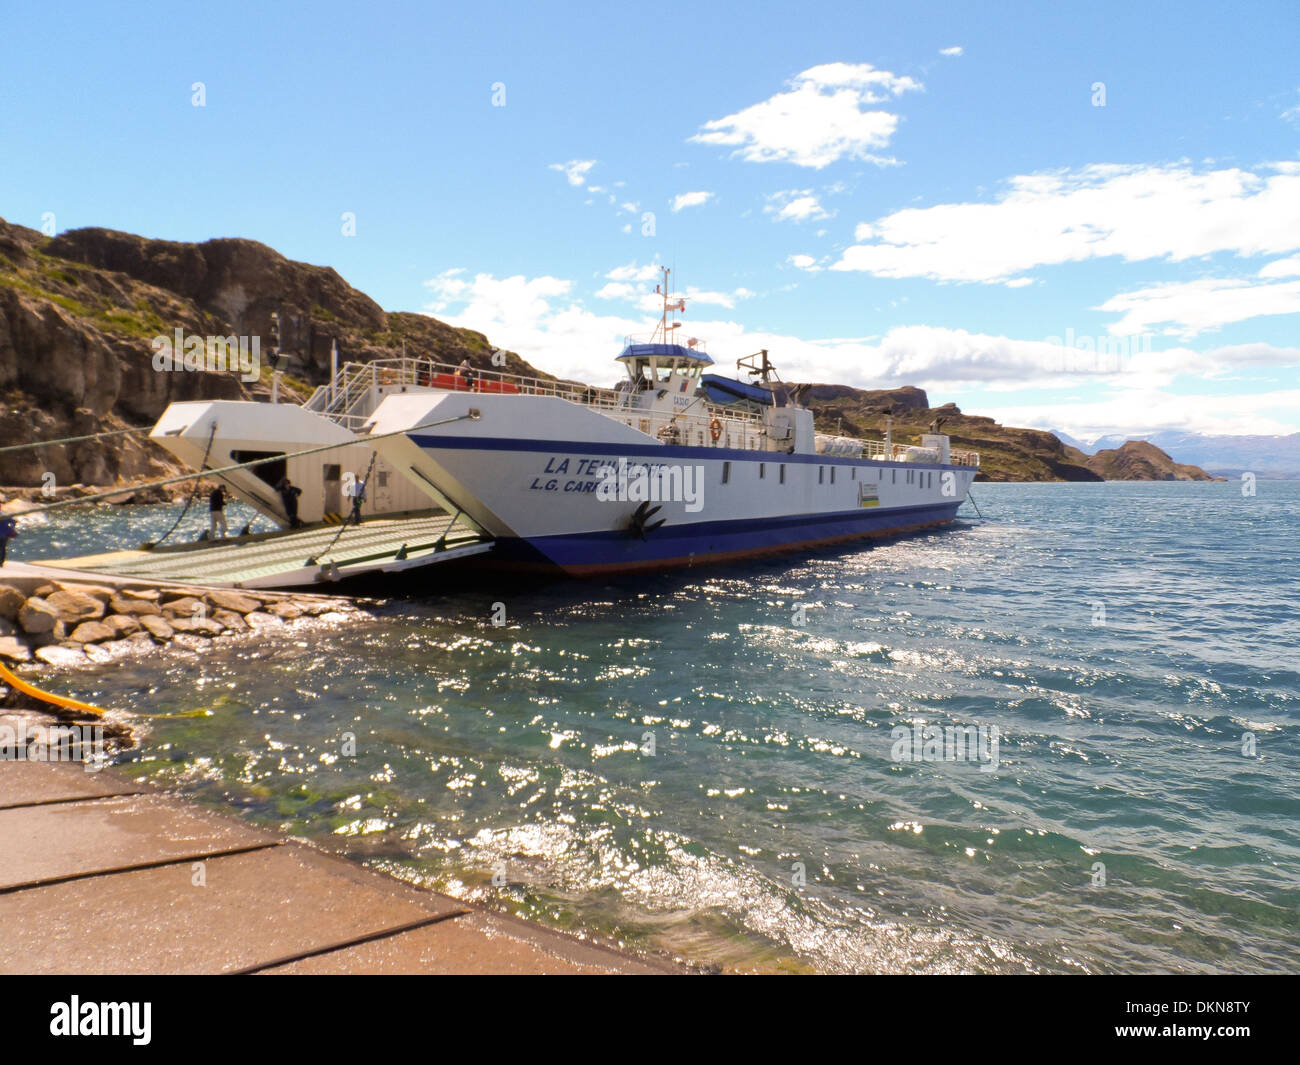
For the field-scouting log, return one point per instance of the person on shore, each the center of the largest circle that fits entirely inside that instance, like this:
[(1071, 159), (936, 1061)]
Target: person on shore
[(358, 497), (8, 530), (289, 493), (217, 512)]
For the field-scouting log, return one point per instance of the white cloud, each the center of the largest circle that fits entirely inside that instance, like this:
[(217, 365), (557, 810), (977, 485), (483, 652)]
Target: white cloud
[(1020, 282), (1133, 212), (633, 272), (575, 170), (803, 262), (616, 290), (652, 302), (1185, 309), (823, 117), (485, 298), (1282, 268), (955, 50), (1141, 411), (795, 205), (539, 319), (691, 199), (718, 299)]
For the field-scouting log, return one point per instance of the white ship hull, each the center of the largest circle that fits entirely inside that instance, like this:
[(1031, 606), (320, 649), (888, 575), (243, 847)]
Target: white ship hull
[(528, 470)]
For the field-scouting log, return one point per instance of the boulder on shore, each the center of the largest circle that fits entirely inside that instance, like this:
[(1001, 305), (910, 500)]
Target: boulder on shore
[(91, 632), (37, 616), (75, 606), (157, 627)]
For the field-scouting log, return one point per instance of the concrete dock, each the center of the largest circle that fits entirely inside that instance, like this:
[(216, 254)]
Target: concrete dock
[(101, 874)]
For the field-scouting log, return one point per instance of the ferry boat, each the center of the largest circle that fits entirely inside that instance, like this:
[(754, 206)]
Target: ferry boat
[(675, 466)]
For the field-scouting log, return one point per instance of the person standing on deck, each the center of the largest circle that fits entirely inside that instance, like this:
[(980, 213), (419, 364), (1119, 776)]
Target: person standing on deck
[(358, 497), (466, 373), (8, 530), (217, 512), (289, 493)]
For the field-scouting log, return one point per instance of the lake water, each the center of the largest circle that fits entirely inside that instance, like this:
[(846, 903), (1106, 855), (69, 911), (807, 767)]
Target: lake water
[(704, 763)]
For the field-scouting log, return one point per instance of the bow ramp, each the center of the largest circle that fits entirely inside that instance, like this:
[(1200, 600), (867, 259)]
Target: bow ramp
[(298, 558)]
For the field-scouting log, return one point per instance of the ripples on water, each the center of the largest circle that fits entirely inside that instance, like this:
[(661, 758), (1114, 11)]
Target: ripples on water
[(523, 751)]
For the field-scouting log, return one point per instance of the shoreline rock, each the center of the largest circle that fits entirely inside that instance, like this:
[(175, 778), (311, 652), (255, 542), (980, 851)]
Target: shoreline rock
[(71, 624)]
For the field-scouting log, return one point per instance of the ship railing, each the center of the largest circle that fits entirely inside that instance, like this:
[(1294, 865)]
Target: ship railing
[(880, 451), (734, 430), (351, 397), (357, 381)]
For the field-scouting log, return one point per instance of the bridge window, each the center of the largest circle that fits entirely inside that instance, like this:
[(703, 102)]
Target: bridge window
[(762, 470), (821, 474), (726, 472), (832, 475), (783, 473)]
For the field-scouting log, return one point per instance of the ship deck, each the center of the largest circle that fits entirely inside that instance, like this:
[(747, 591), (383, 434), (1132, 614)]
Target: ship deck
[(281, 559)]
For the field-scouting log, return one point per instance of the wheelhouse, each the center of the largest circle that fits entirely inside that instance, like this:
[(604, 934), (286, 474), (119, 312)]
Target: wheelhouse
[(669, 367)]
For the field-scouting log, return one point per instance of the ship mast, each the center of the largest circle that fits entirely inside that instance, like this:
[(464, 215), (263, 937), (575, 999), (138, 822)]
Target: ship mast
[(675, 306)]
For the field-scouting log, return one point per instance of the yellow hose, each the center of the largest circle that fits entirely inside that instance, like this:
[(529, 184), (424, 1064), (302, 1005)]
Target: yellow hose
[(20, 685)]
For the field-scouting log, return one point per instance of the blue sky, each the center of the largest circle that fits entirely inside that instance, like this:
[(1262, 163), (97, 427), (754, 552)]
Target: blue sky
[(920, 194)]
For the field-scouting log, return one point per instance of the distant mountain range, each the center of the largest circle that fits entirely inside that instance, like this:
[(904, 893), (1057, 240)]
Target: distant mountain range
[(1265, 456)]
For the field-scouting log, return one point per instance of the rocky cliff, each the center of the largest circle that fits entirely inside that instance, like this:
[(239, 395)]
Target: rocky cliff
[(78, 313)]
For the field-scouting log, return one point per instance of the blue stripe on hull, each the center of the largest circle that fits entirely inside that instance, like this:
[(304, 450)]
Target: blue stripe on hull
[(711, 541), (660, 451)]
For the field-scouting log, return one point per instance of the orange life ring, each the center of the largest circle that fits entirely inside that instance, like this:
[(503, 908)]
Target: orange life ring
[(715, 429)]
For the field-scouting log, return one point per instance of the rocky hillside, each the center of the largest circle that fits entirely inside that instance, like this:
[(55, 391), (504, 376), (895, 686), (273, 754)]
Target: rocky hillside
[(78, 313), (1138, 460), (1006, 454)]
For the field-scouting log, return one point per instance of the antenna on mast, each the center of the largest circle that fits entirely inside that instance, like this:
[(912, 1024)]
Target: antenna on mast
[(674, 306)]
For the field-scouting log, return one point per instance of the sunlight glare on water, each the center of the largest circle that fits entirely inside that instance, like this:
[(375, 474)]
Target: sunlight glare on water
[(655, 759)]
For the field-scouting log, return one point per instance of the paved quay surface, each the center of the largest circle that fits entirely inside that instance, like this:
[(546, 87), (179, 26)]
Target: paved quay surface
[(100, 874)]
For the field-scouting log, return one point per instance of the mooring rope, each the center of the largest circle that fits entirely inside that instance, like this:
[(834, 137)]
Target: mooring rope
[(12, 680), (20, 685), (149, 545), (114, 493), (74, 439), (343, 527)]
